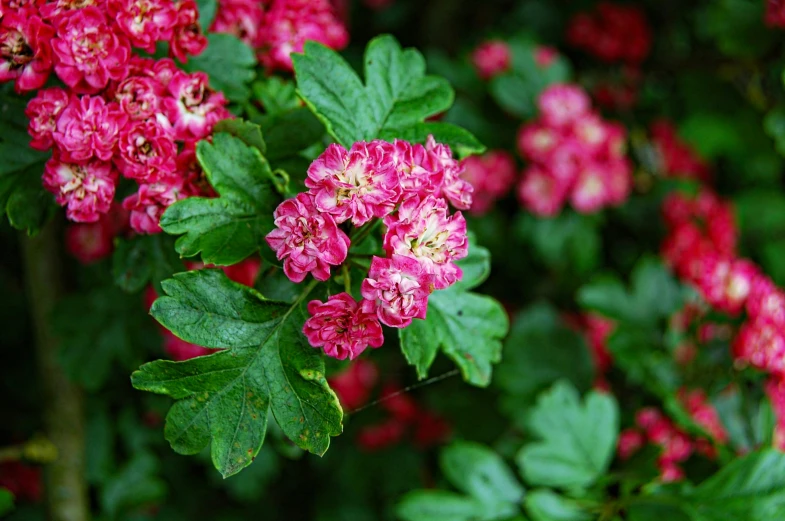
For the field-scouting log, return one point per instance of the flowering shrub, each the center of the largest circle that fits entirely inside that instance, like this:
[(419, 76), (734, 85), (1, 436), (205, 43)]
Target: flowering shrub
[(532, 271)]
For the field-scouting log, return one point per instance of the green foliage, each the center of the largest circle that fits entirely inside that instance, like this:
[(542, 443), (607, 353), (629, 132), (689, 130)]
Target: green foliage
[(394, 101), (265, 366), (207, 10), (137, 483), (277, 95), (6, 501), (540, 350), (227, 229), (466, 326), (567, 242), (578, 440), (22, 197), (142, 260), (546, 505), (229, 62)]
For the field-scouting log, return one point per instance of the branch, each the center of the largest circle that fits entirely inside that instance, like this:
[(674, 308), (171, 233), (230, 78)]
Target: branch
[(66, 489)]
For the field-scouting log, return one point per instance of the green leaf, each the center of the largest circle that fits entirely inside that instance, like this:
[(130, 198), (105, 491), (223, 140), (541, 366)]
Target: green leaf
[(291, 132), (231, 227), (249, 133), (207, 9), (144, 259), (438, 505), (137, 483), (654, 294), (569, 242), (276, 94), (6, 501), (750, 488), (481, 473), (266, 365), (578, 439), (396, 99), (230, 64), (546, 505), (540, 350), (461, 141), (97, 330), (466, 326)]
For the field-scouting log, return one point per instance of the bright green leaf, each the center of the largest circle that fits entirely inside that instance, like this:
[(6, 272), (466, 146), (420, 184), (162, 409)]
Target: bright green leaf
[(481, 473), (231, 227), (6, 501), (276, 94), (136, 484), (207, 9), (438, 505), (249, 133), (546, 505), (578, 440), (266, 364), (229, 63)]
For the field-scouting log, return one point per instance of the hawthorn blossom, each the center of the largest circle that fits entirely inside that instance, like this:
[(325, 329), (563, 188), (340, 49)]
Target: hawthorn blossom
[(89, 242), (424, 230), (703, 413), (86, 189), (419, 172), (562, 104), (766, 300), (288, 24), (726, 283), (342, 327), (192, 107), (454, 188), (589, 193), (306, 240), (614, 32), (139, 97), (760, 343), (146, 152), (187, 36), (491, 58), (88, 127), (541, 192), (353, 385), (355, 185), (25, 51), (151, 200), (43, 111), (397, 290), (144, 22), (242, 18), (537, 140), (491, 175), (88, 53)]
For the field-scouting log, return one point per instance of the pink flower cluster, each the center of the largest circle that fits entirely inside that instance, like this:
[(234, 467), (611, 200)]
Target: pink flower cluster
[(775, 13), (280, 28), (574, 155), (408, 186), (91, 242), (492, 175), (120, 114), (675, 445), (677, 158), (613, 33), (596, 330), (491, 58)]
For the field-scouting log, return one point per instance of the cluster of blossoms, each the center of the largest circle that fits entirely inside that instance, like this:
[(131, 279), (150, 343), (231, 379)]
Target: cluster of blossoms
[(494, 57), (119, 113), (595, 330), (492, 175), (612, 33), (244, 272), (701, 248), (775, 13), (677, 158), (277, 28), (675, 446), (354, 387), (408, 186), (574, 155)]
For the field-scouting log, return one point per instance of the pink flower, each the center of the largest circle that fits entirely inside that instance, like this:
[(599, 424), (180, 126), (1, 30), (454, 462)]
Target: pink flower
[(589, 193), (630, 442), (88, 127), (151, 200), (138, 97), (397, 290), (491, 58), (89, 242), (726, 283), (359, 184), (306, 240), (703, 413), (544, 56), (288, 24), (491, 175), (144, 22), (618, 181), (761, 344), (242, 18), (420, 173), (342, 327), (540, 192), (187, 36), (353, 386), (425, 231), (54, 12), (88, 53), (766, 300), (147, 152), (192, 107), (43, 111), (536, 141), (85, 189), (454, 188), (25, 52), (563, 104), (180, 350)]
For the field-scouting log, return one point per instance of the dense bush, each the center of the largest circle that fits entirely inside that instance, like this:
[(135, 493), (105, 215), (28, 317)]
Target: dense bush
[(558, 226)]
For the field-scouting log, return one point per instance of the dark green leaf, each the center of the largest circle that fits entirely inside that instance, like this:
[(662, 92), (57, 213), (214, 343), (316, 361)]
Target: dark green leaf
[(578, 439), (144, 259), (249, 133), (136, 484), (438, 505), (230, 64), (207, 9), (6, 501), (291, 132), (231, 227), (224, 398), (276, 94), (460, 140)]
